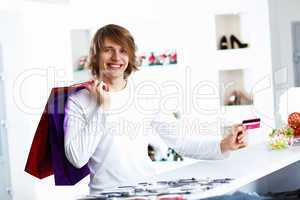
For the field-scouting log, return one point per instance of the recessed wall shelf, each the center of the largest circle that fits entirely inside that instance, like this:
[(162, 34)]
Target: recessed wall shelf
[(229, 32), (80, 43)]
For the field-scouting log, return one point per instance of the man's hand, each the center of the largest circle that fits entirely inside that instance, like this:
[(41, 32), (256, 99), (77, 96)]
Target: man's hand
[(235, 139), (99, 91)]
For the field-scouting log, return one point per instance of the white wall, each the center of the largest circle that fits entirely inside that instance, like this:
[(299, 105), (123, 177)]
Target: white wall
[(282, 14), (187, 26), (17, 121), (11, 5), (6, 46)]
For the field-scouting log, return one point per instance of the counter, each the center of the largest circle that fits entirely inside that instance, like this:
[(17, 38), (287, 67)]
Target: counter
[(245, 166)]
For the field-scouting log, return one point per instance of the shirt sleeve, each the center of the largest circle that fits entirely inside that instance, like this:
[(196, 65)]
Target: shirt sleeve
[(159, 145), (195, 145), (83, 131)]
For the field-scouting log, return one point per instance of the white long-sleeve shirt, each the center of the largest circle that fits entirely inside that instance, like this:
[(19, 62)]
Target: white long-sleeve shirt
[(114, 143)]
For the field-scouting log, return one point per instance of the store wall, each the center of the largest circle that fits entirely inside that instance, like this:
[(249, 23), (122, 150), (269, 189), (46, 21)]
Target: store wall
[(18, 122), (282, 15), (188, 27)]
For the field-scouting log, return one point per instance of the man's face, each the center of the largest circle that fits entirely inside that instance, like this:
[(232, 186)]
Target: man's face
[(113, 60)]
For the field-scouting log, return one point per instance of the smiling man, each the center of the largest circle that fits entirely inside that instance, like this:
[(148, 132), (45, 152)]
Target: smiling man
[(113, 61), (117, 154)]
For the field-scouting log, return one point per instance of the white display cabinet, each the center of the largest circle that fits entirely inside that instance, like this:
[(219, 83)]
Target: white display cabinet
[(242, 68)]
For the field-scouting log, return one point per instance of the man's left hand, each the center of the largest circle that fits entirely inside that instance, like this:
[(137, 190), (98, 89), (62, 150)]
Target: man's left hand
[(236, 139)]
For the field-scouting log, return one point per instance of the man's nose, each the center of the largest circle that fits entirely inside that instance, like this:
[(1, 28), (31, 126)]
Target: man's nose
[(116, 55)]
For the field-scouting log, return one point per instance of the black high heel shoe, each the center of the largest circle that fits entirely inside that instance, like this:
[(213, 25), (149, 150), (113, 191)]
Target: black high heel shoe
[(235, 40), (223, 43)]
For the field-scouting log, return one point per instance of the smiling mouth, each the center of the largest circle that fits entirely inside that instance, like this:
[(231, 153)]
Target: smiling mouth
[(115, 66)]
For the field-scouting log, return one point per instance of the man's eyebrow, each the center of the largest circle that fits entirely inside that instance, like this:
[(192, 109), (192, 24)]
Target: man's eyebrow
[(108, 47)]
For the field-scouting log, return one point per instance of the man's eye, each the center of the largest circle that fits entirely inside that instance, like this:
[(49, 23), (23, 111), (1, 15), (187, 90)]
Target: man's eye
[(107, 50), (123, 51)]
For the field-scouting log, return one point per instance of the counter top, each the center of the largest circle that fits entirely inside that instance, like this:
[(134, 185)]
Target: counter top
[(245, 166)]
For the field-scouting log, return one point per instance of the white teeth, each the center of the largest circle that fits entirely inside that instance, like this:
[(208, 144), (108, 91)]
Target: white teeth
[(115, 66)]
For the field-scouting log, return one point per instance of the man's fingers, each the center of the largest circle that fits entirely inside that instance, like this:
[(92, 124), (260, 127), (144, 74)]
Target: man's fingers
[(236, 129), (240, 128), (237, 125), (102, 87), (242, 139), (89, 88)]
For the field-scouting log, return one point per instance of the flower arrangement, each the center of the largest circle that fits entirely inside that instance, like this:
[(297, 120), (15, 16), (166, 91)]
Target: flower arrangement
[(281, 138)]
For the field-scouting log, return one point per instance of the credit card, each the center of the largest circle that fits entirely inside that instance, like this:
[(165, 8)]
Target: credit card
[(251, 123)]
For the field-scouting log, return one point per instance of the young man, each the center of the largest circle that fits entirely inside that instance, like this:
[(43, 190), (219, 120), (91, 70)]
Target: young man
[(105, 129)]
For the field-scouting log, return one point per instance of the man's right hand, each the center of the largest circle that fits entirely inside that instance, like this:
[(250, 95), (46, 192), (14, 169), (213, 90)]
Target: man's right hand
[(99, 91)]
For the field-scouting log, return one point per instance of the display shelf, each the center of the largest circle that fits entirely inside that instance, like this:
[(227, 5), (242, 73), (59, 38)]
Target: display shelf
[(233, 64), (234, 87), (230, 32), (80, 43)]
